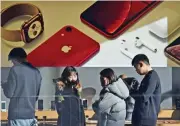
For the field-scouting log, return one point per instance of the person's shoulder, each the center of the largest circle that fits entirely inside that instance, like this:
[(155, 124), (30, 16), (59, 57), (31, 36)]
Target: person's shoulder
[(14, 68), (153, 74)]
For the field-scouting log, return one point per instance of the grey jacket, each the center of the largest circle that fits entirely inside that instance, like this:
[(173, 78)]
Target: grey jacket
[(111, 107), (22, 88)]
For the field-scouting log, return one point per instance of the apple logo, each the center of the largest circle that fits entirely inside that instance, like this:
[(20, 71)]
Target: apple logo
[(66, 49)]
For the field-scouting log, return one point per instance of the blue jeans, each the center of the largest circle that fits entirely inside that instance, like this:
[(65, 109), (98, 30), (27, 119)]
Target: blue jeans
[(22, 122)]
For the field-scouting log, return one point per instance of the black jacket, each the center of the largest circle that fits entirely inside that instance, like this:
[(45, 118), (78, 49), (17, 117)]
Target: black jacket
[(132, 85), (147, 103), (69, 107)]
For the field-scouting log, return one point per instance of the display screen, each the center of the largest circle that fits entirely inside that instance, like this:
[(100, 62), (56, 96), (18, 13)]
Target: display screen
[(40, 104), (3, 105)]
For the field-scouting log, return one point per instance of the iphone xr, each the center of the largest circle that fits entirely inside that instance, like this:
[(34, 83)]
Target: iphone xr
[(112, 18), (68, 46)]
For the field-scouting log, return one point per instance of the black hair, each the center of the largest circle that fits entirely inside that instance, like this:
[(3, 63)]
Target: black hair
[(67, 72), (17, 53), (110, 74), (140, 57)]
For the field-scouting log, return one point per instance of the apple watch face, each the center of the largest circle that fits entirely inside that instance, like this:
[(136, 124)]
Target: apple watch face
[(174, 49), (33, 28)]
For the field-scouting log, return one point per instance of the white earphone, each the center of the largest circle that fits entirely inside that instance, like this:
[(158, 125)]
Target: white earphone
[(126, 52), (139, 43)]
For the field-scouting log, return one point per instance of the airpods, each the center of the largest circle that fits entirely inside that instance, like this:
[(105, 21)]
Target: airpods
[(127, 53), (139, 43)]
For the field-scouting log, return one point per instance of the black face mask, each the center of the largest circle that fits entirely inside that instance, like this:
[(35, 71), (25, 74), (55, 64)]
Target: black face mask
[(72, 83)]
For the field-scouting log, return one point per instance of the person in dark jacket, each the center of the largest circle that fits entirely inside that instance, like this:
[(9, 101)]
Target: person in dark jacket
[(22, 88), (111, 107), (68, 103), (133, 85), (148, 97)]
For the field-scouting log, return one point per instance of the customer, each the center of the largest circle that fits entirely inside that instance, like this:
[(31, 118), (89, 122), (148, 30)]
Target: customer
[(132, 84), (111, 107), (68, 103), (22, 88), (147, 103)]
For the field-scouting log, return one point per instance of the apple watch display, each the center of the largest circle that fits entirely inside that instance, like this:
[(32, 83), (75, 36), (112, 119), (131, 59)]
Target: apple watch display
[(29, 30), (33, 28)]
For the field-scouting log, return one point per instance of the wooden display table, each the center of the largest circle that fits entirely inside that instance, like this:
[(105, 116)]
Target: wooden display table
[(165, 117)]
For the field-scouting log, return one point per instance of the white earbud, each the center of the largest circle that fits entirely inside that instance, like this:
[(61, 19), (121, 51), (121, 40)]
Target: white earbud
[(127, 53), (139, 43)]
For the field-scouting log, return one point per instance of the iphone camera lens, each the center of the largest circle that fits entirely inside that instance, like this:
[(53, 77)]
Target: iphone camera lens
[(68, 29)]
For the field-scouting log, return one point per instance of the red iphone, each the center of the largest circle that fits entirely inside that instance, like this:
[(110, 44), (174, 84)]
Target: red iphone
[(112, 18), (172, 51), (67, 47)]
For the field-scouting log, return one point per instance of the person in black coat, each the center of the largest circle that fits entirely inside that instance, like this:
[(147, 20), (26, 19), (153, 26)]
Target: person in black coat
[(148, 97), (68, 103)]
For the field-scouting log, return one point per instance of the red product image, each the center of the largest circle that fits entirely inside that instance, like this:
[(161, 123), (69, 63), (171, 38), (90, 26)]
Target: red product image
[(67, 47), (112, 18)]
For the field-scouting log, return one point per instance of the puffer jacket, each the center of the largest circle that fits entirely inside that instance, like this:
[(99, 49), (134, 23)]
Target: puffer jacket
[(111, 107)]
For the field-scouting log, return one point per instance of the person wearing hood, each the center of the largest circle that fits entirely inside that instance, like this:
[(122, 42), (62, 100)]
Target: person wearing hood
[(111, 106)]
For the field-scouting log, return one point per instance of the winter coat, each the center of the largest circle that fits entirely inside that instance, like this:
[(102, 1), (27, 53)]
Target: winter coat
[(69, 107), (111, 107)]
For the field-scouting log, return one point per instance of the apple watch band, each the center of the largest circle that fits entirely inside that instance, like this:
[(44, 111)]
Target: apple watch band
[(23, 34)]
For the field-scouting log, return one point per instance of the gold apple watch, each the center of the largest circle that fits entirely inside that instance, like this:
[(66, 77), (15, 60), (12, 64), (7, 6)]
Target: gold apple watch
[(29, 30)]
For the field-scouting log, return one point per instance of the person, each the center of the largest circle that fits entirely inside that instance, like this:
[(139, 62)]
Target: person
[(68, 103), (133, 85), (148, 97), (111, 107), (22, 88)]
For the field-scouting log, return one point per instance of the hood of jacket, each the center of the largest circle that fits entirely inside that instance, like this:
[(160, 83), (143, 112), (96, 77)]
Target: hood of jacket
[(118, 88)]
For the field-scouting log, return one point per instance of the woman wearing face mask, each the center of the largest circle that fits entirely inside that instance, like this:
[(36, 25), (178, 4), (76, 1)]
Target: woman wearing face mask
[(68, 103), (111, 107)]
